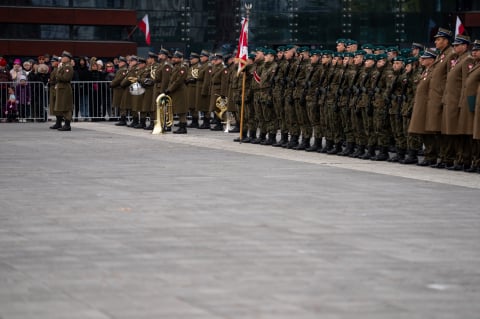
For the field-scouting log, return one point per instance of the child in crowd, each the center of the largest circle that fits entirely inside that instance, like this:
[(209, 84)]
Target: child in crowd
[(11, 111)]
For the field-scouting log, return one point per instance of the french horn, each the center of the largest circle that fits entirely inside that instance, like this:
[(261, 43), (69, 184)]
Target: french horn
[(164, 114), (221, 105)]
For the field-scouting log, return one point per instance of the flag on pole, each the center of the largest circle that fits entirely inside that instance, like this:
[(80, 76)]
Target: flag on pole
[(242, 50), (145, 27), (459, 28)]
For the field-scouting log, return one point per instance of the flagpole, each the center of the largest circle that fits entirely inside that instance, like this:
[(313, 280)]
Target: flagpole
[(130, 34), (248, 7)]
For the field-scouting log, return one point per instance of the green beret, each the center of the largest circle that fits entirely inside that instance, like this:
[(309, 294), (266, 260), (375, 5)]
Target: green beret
[(370, 57), (269, 51), (359, 52), (289, 47), (327, 52), (392, 49), (381, 56), (367, 46), (281, 48), (348, 55), (399, 58), (316, 52), (379, 47)]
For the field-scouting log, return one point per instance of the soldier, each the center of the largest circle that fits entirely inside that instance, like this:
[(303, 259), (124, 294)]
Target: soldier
[(341, 47), (176, 90), (218, 88), (414, 142), (257, 99), (161, 80), (203, 88), (416, 49), (266, 98), (118, 91), (368, 48), (323, 82), (52, 82), (303, 126), (397, 90), (315, 75), (434, 142), (280, 85), (471, 101), (137, 99), (249, 111), (63, 91), (191, 82), (458, 70), (232, 93), (130, 77), (419, 113), (290, 103), (146, 79)]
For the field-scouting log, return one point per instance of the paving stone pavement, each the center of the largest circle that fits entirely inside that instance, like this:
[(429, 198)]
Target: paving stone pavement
[(109, 222)]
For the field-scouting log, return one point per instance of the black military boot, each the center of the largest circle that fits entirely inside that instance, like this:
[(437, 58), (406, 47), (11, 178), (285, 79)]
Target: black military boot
[(271, 139), (411, 158), (317, 142), (237, 139), (217, 125), (65, 127), (382, 154), (336, 149), (283, 139), (182, 129), (399, 156), (235, 129), (122, 121), (205, 125), (260, 139), (150, 126), (134, 122), (359, 152), (293, 143), (141, 124), (328, 147), (194, 123), (58, 123), (369, 154), (349, 149), (304, 144), (252, 137)]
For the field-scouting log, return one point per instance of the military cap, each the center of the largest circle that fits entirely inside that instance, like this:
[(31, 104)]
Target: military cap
[(281, 48), (410, 60), (260, 49), (55, 58), (204, 53), (381, 56), (67, 54), (337, 55), (419, 46), (303, 49), (379, 48), (164, 51), (350, 42), (327, 52), (359, 52), (152, 54), (252, 56), (194, 55), (316, 52), (217, 56), (178, 54), (406, 52), (122, 59), (370, 57), (269, 51), (348, 55), (392, 49), (142, 60), (341, 40), (476, 45), (134, 58), (398, 59), (429, 54), (442, 32), (289, 47), (367, 46), (461, 39)]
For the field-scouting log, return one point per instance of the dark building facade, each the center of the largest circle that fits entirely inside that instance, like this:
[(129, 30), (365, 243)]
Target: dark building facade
[(106, 27)]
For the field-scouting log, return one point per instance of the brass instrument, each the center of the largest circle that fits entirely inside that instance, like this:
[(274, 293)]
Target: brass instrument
[(164, 114), (221, 104), (153, 70)]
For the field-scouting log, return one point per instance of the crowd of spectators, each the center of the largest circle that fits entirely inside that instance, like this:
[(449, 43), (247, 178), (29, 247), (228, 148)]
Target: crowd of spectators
[(24, 87)]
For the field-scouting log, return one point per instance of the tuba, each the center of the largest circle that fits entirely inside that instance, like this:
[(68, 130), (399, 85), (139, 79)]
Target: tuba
[(221, 105), (164, 114)]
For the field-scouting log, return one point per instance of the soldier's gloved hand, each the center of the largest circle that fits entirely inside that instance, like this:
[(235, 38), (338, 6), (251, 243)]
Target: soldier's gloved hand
[(269, 103)]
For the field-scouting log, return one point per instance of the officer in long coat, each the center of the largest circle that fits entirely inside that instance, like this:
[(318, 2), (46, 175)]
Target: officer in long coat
[(203, 88), (52, 82), (63, 91), (176, 90), (163, 73), (191, 94)]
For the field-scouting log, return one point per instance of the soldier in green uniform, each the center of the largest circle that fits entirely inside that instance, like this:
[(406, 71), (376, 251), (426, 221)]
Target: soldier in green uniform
[(52, 82), (266, 98), (63, 91), (191, 94), (328, 67), (314, 78), (304, 128), (290, 106), (257, 94), (232, 94), (203, 88), (176, 90), (118, 91), (284, 65), (249, 112)]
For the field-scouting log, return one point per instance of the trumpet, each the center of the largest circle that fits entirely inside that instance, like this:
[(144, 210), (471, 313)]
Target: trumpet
[(164, 114), (221, 105)]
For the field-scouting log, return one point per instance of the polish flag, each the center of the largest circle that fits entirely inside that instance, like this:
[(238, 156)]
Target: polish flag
[(459, 28), (242, 50), (145, 27)]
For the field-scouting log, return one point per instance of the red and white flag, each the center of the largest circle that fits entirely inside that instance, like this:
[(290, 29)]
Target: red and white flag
[(242, 50), (145, 27), (459, 28)]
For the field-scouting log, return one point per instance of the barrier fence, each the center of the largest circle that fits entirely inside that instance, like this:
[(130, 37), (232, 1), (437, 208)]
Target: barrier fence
[(92, 100)]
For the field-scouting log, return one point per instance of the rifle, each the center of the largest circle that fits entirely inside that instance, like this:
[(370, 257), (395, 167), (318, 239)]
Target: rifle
[(293, 81), (371, 94), (360, 90), (307, 85), (320, 90), (388, 101), (339, 93), (403, 97)]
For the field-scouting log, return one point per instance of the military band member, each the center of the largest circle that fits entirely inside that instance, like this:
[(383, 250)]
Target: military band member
[(127, 98), (63, 91), (137, 100), (218, 88), (163, 73), (146, 79), (234, 92), (176, 90), (118, 90), (191, 93), (203, 88)]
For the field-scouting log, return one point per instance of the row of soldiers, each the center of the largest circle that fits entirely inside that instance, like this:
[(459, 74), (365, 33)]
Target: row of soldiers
[(361, 101)]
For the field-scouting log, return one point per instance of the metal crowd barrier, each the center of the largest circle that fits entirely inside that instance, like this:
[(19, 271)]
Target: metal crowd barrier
[(92, 101)]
